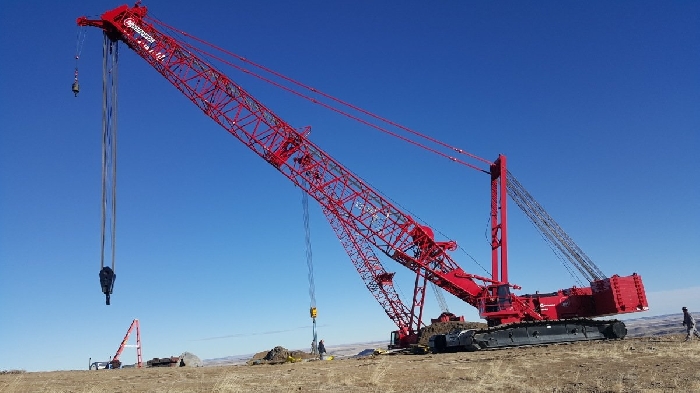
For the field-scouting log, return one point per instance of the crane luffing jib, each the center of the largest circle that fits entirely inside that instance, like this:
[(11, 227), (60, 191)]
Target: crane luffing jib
[(353, 202), (359, 214)]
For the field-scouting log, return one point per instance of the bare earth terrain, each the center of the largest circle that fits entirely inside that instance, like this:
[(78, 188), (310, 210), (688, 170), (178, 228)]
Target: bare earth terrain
[(648, 364)]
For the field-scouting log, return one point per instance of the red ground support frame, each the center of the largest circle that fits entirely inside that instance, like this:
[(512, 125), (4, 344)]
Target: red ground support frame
[(116, 362)]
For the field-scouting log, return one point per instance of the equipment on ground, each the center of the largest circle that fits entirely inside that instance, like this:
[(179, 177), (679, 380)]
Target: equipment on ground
[(98, 365), (173, 361), (447, 317), (364, 220), (115, 361)]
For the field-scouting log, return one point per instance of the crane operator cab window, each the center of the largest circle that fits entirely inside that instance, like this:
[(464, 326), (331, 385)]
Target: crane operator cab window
[(503, 297), (499, 299), (395, 341)]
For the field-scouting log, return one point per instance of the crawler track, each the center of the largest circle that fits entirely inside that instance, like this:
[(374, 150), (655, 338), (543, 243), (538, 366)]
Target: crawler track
[(528, 333)]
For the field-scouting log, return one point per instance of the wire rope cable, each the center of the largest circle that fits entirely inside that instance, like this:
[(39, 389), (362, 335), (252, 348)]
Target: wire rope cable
[(108, 236), (309, 263)]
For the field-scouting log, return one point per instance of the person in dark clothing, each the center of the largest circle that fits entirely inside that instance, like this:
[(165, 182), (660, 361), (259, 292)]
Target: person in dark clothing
[(321, 349), (689, 323)]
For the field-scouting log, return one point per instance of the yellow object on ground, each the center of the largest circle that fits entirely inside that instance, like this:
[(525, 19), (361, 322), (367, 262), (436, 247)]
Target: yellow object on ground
[(419, 349)]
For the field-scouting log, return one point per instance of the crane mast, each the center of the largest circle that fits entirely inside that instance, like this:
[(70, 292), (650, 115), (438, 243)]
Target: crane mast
[(362, 218)]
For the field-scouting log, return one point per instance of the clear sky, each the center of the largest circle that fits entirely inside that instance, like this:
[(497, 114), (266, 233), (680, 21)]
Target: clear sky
[(596, 105)]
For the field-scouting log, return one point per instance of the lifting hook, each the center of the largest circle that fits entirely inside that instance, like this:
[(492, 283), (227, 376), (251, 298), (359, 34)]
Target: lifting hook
[(107, 278), (76, 87)]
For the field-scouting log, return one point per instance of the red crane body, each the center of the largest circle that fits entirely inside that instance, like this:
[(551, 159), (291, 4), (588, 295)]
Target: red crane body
[(362, 218)]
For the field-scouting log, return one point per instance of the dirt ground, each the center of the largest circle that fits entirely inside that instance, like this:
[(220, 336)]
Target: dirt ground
[(651, 364)]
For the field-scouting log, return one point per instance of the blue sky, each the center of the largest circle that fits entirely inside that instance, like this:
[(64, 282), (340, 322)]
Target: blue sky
[(596, 105)]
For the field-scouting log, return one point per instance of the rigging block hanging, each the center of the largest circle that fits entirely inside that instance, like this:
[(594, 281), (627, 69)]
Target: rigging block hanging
[(107, 278)]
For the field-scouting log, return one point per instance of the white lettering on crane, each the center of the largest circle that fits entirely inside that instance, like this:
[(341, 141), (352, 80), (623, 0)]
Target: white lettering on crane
[(128, 22), (378, 217)]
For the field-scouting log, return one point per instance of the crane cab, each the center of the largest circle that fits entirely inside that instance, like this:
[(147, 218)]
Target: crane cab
[(394, 341), (402, 339), (498, 300), (496, 307)]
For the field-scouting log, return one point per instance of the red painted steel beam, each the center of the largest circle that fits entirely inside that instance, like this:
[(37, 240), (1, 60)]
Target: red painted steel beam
[(499, 238)]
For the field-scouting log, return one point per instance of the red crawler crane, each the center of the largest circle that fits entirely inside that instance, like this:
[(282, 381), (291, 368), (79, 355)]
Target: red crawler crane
[(365, 221)]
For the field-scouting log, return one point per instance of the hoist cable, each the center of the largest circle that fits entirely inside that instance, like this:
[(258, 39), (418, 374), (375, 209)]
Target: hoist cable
[(309, 253), (110, 52), (105, 128), (310, 265), (114, 117), (439, 297), (79, 42)]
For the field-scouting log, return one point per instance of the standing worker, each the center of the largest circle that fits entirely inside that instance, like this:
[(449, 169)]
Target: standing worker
[(689, 323), (321, 349)]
